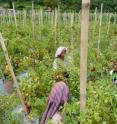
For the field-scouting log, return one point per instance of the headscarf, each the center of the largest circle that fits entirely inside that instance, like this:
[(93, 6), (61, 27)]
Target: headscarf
[(59, 51)]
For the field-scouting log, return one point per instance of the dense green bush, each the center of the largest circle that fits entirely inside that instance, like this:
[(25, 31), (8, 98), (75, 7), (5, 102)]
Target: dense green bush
[(7, 104), (101, 102), (36, 56)]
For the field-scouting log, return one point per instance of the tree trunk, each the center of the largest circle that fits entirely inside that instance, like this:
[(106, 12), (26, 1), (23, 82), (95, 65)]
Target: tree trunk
[(10, 4)]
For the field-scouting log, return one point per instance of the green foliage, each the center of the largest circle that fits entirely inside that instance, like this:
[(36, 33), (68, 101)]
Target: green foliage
[(71, 112), (6, 107), (51, 3), (101, 103), (36, 55)]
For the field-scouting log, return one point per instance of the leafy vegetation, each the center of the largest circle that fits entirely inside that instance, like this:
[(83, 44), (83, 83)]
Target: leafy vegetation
[(36, 55)]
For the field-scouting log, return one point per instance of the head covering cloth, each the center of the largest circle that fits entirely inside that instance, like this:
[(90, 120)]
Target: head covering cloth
[(59, 51)]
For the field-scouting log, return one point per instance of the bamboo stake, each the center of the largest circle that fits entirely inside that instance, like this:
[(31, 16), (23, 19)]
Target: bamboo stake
[(52, 18), (58, 24), (39, 18), (68, 17), (48, 17), (79, 23), (72, 20), (95, 20), (100, 27), (72, 27), (3, 18), (12, 72), (55, 27), (39, 21), (9, 17), (84, 53), (115, 15), (33, 20), (24, 17), (52, 22), (14, 13), (108, 26), (79, 20), (6, 18), (72, 33), (21, 16), (58, 15), (64, 18), (107, 19), (41, 13)]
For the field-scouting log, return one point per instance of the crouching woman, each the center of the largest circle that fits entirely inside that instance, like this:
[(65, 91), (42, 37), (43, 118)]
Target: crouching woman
[(58, 96)]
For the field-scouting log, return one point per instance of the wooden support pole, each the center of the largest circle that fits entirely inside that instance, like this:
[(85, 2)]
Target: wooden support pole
[(7, 19), (24, 17), (108, 26), (9, 16), (72, 33), (99, 38), (12, 72), (49, 17), (107, 19), (33, 20), (52, 18), (72, 20), (55, 27), (115, 18), (0, 16), (39, 21), (95, 20), (41, 14), (3, 17), (79, 21), (14, 13), (64, 18), (84, 53)]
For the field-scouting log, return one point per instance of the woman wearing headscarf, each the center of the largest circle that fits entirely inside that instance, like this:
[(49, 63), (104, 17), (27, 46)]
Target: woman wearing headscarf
[(113, 73), (60, 65), (59, 94)]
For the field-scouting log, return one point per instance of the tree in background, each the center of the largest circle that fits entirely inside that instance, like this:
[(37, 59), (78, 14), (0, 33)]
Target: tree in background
[(71, 4), (51, 3), (10, 4), (109, 5)]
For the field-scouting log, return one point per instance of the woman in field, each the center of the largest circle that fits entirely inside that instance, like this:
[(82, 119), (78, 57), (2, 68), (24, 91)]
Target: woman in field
[(60, 63), (59, 94), (113, 73)]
